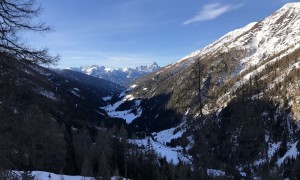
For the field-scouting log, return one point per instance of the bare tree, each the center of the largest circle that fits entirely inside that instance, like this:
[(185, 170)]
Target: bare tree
[(197, 84), (16, 16), (200, 69)]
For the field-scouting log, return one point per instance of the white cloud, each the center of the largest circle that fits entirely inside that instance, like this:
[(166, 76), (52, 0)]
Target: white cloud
[(212, 11)]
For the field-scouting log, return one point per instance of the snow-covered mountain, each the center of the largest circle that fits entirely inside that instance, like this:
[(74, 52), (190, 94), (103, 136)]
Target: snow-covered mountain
[(231, 62), (278, 34), (246, 85), (237, 56), (122, 76)]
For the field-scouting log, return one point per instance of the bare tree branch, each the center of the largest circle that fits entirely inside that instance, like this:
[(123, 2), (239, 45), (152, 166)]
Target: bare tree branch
[(16, 15)]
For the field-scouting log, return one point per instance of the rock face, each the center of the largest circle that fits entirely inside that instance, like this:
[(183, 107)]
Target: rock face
[(122, 76)]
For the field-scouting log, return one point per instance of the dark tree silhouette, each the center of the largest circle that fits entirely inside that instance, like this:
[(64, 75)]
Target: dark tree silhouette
[(16, 16), (198, 76)]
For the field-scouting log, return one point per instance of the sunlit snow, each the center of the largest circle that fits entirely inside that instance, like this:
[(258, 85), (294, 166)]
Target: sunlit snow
[(167, 135), (42, 175), (172, 155), (128, 115)]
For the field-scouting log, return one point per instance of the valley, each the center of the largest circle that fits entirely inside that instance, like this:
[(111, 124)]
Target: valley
[(230, 110)]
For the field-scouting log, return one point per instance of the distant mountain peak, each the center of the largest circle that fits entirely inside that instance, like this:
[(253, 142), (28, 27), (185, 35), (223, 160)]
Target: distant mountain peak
[(122, 76)]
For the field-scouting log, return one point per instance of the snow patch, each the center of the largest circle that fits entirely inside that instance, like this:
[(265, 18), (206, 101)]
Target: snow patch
[(122, 94), (108, 69), (127, 115), (215, 172), (42, 175), (129, 97), (76, 89), (243, 174), (107, 98), (167, 135), (172, 155), (131, 87), (75, 93), (291, 153), (259, 162), (273, 147), (187, 111), (48, 94)]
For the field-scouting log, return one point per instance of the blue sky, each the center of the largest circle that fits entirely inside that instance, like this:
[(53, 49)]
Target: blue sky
[(128, 33)]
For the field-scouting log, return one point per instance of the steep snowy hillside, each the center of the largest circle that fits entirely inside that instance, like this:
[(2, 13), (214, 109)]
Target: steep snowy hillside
[(122, 76), (276, 34), (233, 59), (238, 99)]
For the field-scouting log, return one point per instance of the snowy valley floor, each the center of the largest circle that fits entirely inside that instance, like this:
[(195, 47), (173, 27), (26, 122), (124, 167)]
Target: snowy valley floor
[(42, 175)]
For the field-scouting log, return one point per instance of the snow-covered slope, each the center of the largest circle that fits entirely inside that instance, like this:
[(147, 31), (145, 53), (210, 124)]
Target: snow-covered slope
[(43, 175), (233, 59), (172, 155), (128, 114), (122, 76), (220, 43), (277, 33)]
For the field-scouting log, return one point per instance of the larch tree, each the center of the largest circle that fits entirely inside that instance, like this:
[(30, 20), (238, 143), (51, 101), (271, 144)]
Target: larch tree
[(15, 17), (196, 86)]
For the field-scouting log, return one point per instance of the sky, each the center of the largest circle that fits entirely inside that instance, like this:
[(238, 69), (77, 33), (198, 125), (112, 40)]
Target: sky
[(130, 33)]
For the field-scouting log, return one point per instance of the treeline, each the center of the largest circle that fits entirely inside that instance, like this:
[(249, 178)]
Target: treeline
[(106, 153), (111, 154)]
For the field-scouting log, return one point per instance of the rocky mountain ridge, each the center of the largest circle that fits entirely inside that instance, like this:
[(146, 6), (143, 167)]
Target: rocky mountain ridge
[(122, 76)]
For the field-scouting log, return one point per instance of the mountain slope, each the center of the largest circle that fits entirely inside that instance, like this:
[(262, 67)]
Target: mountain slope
[(101, 85), (122, 76), (41, 111), (233, 59), (70, 92), (238, 99)]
